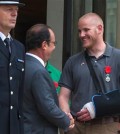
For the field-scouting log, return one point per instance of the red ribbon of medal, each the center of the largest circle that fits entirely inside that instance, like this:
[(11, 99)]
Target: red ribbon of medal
[(107, 70), (55, 84)]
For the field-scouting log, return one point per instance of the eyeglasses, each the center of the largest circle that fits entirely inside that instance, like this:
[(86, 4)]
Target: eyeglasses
[(54, 42)]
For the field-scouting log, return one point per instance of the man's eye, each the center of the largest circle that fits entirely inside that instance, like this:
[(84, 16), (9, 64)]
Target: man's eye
[(9, 9), (86, 29)]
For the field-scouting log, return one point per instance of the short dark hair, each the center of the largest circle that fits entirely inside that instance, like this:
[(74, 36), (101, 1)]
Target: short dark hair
[(36, 35)]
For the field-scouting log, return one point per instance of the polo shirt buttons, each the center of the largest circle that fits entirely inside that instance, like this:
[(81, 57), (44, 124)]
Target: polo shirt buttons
[(11, 107)]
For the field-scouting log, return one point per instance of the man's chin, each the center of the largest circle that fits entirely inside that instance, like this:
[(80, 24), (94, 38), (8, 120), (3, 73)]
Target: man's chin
[(85, 45), (12, 26)]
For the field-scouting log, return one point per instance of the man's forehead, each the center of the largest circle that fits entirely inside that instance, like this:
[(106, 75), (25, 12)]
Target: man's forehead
[(8, 6)]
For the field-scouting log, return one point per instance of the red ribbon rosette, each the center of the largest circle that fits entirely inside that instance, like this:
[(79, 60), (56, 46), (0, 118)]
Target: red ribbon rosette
[(107, 69), (55, 84)]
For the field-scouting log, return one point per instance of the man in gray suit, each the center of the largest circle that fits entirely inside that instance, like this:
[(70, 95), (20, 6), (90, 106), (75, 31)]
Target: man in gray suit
[(41, 112)]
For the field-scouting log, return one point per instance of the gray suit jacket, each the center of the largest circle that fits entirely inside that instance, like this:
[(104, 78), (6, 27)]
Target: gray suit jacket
[(40, 107)]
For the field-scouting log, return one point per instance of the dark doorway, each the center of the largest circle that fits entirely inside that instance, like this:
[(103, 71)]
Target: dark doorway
[(34, 12)]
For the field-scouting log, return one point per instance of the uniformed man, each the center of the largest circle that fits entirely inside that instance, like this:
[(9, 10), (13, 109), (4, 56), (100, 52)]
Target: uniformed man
[(11, 70)]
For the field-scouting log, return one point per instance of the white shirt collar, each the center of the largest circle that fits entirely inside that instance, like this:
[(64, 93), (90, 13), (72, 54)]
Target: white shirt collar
[(3, 36), (38, 58)]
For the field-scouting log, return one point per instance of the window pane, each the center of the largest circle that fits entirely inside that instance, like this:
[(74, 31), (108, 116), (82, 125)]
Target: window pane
[(88, 5), (111, 21)]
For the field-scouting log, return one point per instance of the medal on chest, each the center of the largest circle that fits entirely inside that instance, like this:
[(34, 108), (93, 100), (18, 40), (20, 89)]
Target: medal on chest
[(107, 70), (107, 78)]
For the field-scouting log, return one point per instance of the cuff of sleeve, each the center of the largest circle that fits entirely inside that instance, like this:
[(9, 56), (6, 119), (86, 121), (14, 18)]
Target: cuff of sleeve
[(67, 128)]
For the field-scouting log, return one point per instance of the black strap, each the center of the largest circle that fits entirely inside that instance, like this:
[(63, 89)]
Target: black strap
[(93, 74)]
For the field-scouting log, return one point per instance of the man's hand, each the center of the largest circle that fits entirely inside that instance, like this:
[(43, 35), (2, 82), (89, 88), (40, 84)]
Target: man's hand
[(87, 112), (83, 115), (72, 123)]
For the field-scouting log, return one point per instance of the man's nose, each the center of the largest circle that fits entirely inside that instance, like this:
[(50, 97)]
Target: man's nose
[(14, 12)]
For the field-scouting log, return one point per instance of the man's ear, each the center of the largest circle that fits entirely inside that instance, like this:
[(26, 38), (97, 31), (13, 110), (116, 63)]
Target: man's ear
[(100, 28), (44, 45)]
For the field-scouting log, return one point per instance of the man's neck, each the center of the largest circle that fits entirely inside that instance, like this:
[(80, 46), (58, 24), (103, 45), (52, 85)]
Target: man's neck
[(97, 51), (5, 31)]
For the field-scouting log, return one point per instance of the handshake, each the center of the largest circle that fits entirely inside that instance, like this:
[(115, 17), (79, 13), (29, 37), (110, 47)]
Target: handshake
[(85, 114)]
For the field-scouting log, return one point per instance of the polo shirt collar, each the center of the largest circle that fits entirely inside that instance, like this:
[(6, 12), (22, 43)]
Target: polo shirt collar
[(108, 50)]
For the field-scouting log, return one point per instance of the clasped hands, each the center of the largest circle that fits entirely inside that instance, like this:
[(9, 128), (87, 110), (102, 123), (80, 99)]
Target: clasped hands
[(85, 114)]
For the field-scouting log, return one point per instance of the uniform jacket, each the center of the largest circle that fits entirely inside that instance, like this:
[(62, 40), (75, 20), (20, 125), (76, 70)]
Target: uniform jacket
[(41, 113), (11, 88)]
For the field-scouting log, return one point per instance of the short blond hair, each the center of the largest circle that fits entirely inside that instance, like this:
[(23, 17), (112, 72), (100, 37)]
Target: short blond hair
[(93, 17)]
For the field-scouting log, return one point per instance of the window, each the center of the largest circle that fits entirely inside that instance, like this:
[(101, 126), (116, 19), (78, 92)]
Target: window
[(111, 22)]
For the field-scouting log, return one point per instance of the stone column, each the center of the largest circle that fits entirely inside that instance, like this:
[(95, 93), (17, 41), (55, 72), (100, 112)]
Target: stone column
[(55, 12)]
